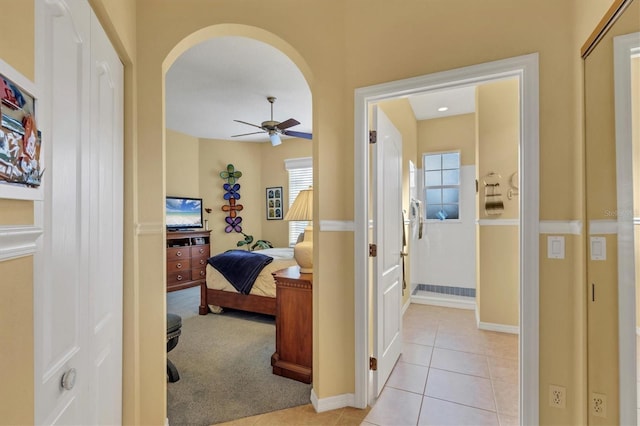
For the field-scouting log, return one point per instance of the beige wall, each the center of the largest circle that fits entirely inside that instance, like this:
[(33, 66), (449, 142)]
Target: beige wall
[(337, 56), (635, 108), (498, 133), (449, 134), (183, 165)]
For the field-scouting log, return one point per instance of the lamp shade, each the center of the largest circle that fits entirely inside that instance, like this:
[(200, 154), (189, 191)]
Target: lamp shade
[(302, 207)]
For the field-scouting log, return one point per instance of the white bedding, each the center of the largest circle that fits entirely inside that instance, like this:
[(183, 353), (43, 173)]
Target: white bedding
[(265, 285)]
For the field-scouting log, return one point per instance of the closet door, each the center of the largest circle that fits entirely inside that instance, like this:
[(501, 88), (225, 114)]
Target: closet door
[(78, 266)]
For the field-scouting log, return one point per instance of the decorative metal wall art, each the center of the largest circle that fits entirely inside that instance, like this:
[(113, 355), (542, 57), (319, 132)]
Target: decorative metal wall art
[(232, 193)]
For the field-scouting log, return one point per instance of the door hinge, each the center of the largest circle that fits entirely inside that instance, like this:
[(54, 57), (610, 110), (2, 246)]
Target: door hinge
[(373, 136), (373, 250), (373, 364)]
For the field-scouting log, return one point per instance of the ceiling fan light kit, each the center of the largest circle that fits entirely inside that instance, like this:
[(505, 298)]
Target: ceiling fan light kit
[(275, 128)]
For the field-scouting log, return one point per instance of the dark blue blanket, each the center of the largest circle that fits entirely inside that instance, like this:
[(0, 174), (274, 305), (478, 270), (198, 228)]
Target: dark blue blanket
[(240, 267)]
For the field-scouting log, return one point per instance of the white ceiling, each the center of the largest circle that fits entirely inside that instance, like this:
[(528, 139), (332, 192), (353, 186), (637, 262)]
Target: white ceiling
[(229, 78)]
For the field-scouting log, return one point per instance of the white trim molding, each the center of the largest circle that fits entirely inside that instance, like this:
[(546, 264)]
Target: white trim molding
[(498, 222), (571, 227), (332, 402), (298, 163), (502, 328), (603, 227), (18, 241), (337, 225), (150, 228), (447, 302)]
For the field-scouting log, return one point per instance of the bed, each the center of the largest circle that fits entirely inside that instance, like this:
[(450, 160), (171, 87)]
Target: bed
[(218, 293)]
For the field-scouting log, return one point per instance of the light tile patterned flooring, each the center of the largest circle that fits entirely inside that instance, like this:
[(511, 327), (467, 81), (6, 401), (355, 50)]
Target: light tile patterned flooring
[(450, 373)]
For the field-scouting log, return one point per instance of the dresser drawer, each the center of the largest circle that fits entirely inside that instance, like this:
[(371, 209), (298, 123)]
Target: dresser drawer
[(178, 265), (200, 252), (178, 277), (175, 253), (198, 273)]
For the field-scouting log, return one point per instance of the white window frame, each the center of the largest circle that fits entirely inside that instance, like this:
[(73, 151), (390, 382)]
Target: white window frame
[(302, 164), (458, 186)]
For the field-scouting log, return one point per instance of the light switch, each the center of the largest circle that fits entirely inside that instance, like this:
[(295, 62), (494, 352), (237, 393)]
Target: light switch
[(598, 248), (555, 247)]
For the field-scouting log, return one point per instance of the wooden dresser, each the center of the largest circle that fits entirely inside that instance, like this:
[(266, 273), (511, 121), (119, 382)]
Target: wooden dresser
[(294, 333), (187, 254)]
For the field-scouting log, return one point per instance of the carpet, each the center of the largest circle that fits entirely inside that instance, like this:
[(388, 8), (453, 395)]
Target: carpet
[(224, 362)]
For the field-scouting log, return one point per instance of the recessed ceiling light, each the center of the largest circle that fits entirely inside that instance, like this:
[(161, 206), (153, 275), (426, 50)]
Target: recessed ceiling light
[(443, 109)]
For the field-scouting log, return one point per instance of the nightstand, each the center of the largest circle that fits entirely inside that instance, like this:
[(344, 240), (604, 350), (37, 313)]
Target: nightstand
[(294, 332)]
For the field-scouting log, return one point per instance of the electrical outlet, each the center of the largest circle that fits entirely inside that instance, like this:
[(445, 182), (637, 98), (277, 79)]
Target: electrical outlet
[(557, 396), (599, 405)]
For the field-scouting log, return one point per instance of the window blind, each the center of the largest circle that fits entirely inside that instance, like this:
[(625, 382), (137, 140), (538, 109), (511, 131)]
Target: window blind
[(300, 177)]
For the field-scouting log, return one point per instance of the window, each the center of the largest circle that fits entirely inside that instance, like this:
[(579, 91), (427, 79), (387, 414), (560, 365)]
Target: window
[(442, 185), (300, 177)]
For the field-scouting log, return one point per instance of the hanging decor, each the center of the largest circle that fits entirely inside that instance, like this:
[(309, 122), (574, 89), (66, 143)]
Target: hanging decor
[(232, 193)]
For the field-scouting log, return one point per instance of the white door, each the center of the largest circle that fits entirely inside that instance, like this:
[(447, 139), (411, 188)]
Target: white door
[(387, 235), (78, 267)]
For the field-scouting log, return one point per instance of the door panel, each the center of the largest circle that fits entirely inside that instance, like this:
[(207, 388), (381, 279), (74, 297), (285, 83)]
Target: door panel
[(78, 268), (61, 293), (387, 225)]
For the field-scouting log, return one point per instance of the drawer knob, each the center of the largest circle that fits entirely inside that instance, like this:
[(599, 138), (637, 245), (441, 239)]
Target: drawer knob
[(179, 277), (202, 261), (179, 265), (201, 250), (178, 253), (202, 273)]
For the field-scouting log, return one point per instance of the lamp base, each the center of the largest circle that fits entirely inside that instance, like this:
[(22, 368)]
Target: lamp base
[(303, 252)]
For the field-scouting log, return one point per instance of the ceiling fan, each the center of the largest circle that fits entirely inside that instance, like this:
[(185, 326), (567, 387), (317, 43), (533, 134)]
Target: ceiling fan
[(275, 128)]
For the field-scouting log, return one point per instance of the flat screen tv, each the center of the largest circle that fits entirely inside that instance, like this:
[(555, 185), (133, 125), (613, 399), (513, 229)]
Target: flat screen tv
[(183, 213)]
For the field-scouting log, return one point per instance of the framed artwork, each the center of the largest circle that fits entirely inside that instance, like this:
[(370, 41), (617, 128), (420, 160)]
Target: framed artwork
[(274, 203), (21, 156)]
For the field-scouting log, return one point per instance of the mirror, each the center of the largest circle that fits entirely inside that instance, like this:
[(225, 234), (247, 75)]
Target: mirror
[(611, 144)]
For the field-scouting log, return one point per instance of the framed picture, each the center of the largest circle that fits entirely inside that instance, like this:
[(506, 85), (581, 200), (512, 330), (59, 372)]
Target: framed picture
[(274, 203), (21, 156)]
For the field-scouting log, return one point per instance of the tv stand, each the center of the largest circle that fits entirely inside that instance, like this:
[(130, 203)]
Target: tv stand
[(187, 255)]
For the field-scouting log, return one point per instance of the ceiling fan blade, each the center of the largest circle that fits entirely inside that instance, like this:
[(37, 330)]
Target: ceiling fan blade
[(248, 124), (246, 134), (288, 123), (298, 134)]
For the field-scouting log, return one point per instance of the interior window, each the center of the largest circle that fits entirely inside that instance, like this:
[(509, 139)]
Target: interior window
[(442, 185), (300, 177)]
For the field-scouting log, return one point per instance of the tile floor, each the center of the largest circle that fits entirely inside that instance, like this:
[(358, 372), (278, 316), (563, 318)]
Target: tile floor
[(450, 373)]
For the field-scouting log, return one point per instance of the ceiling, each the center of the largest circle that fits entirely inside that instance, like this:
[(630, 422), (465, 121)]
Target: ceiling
[(229, 78)]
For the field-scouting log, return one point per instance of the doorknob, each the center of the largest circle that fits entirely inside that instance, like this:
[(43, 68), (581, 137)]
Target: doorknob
[(69, 379), (404, 254)]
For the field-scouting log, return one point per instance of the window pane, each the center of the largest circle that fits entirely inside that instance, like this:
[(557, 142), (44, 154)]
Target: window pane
[(449, 195), (432, 162), (433, 178), (434, 196), (452, 211), (432, 211), (451, 177), (451, 160)]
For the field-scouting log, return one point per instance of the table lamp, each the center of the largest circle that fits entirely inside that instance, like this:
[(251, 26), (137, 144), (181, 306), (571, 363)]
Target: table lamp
[(302, 209)]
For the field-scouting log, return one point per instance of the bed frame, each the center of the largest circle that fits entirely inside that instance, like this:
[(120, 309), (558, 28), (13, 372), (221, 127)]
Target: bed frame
[(228, 299)]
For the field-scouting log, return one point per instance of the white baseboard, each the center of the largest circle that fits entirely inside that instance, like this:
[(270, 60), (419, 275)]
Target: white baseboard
[(332, 402), (489, 326), (443, 301), (406, 306)]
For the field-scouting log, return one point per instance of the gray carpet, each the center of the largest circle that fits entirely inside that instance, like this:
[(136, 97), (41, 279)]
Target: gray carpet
[(224, 362)]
